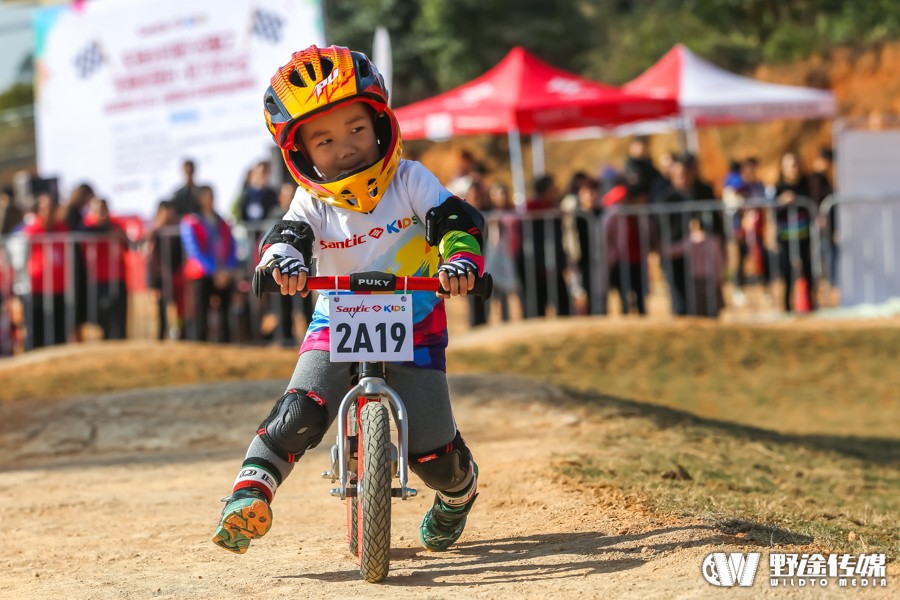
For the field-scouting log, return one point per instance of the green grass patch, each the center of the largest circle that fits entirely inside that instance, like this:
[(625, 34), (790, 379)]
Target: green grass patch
[(786, 437), (843, 381)]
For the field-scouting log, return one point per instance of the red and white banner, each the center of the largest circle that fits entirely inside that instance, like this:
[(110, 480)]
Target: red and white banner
[(128, 90)]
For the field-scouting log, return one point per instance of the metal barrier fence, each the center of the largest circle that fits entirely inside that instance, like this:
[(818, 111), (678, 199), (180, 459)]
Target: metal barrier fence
[(62, 287), (572, 262), (689, 258)]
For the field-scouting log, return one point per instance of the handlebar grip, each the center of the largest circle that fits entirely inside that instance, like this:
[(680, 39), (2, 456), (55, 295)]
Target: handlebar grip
[(483, 287), (264, 283)]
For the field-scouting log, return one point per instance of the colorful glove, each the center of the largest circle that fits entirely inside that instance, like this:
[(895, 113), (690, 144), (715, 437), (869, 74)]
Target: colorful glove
[(287, 246), (459, 267), (287, 265)]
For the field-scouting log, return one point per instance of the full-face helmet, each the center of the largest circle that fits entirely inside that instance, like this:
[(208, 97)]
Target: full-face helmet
[(315, 82)]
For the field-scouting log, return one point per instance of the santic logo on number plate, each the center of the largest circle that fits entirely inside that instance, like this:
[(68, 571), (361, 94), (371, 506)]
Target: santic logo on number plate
[(374, 327)]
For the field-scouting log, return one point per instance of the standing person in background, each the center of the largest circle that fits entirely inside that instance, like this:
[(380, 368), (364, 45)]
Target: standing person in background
[(639, 169), (8, 329), (793, 222), (165, 270), (672, 231), (707, 267), (258, 199), (46, 303), (211, 258), (583, 212), (674, 228), (105, 257), (286, 304), (477, 196), (820, 188), (255, 202), (185, 198), (733, 178), (625, 260), (462, 180), (541, 231), (73, 215), (11, 215), (749, 225), (502, 225)]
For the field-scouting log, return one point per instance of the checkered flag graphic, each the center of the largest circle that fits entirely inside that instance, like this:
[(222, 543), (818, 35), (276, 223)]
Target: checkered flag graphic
[(89, 60), (267, 25)]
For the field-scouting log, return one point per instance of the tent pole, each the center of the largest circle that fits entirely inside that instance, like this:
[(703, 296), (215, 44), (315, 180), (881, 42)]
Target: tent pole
[(694, 141), (517, 166), (691, 136), (688, 136), (537, 154), (683, 133)]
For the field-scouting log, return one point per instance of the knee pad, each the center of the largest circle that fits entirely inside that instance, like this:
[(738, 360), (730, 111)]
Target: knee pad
[(446, 468), (297, 422)]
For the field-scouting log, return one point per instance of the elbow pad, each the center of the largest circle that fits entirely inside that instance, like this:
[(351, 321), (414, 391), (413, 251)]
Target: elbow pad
[(453, 215), (296, 234)]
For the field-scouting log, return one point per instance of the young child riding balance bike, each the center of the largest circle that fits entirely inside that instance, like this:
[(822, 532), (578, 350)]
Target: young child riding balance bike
[(359, 207)]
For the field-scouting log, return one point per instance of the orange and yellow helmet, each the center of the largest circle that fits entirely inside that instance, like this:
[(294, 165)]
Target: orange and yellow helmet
[(315, 82)]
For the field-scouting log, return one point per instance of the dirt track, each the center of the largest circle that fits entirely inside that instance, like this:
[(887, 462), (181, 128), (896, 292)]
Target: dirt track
[(117, 497)]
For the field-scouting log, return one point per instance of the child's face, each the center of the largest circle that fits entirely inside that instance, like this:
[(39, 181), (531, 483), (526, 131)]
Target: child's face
[(341, 141)]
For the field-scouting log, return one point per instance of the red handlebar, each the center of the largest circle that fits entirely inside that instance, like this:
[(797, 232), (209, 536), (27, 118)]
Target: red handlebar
[(342, 282), (373, 281)]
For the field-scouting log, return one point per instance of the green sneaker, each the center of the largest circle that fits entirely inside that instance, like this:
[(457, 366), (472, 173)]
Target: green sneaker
[(246, 516), (444, 523)]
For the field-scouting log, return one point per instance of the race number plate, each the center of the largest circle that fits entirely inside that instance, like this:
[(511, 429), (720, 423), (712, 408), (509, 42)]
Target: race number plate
[(375, 327)]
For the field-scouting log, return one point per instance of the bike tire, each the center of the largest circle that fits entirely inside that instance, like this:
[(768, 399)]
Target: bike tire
[(352, 504), (352, 522), (374, 492)]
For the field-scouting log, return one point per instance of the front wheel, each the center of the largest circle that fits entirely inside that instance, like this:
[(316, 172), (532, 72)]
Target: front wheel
[(352, 522), (374, 492)]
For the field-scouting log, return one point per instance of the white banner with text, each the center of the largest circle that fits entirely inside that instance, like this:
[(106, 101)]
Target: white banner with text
[(128, 90)]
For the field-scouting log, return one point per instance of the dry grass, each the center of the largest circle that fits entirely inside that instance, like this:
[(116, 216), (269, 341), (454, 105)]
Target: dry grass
[(787, 435), (94, 368)]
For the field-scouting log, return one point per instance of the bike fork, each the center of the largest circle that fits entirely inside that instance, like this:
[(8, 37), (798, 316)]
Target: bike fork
[(369, 387)]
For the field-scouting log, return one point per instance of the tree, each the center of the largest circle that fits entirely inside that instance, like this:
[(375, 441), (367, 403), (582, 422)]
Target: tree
[(438, 44), (17, 95)]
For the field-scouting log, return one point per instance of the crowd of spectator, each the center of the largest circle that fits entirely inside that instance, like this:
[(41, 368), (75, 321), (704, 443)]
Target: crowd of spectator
[(565, 251), (65, 266), (562, 251)]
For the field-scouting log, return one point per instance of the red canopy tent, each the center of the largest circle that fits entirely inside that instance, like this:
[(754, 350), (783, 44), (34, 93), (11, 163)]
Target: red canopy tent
[(523, 95)]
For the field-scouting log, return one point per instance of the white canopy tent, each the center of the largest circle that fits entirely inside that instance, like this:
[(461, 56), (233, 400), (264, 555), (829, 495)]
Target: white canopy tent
[(708, 95)]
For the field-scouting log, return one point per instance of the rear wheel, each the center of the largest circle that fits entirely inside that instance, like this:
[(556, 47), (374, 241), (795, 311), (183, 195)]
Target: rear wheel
[(374, 492)]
